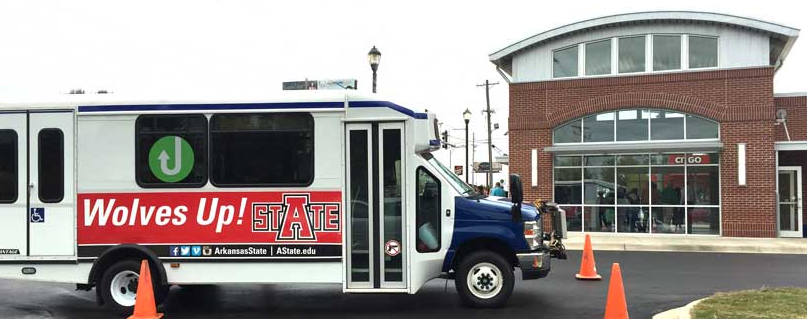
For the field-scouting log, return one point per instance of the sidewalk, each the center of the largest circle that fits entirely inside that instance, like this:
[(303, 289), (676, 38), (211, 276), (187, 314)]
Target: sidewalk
[(684, 243)]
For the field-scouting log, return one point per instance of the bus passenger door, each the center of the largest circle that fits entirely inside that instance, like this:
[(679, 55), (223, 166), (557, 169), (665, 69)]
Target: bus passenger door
[(13, 186), (51, 213), (375, 246)]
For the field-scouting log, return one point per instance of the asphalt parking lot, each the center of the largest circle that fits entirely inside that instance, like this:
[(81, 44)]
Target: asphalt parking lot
[(654, 282)]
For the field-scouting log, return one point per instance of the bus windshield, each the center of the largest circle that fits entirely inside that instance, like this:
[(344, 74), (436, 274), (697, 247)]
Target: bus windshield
[(453, 179)]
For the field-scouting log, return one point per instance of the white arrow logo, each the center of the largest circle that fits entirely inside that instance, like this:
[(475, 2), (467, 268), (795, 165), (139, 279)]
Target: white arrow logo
[(177, 158)]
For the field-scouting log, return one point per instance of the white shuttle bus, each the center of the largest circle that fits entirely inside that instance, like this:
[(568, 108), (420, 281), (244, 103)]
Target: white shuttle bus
[(311, 187)]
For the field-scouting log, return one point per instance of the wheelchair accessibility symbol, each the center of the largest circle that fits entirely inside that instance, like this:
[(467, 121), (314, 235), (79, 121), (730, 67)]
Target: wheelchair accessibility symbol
[(37, 215)]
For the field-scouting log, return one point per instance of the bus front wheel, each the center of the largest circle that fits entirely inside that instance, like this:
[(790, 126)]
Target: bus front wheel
[(118, 287), (484, 280)]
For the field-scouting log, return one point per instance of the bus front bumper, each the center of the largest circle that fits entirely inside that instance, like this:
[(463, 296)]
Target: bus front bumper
[(534, 265)]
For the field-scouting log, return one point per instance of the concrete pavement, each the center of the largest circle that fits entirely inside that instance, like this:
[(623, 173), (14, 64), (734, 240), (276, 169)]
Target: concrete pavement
[(654, 282), (687, 243)]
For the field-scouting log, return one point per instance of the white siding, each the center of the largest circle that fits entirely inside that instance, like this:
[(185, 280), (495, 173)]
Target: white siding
[(736, 47)]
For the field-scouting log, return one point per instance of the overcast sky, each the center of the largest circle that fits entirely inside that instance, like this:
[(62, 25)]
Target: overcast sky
[(433, 52)]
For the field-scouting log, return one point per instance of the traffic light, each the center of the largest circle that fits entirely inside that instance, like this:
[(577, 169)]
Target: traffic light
[(445, 139)]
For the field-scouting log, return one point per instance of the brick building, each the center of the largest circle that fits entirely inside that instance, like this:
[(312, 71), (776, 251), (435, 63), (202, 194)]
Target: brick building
[(660, 123)]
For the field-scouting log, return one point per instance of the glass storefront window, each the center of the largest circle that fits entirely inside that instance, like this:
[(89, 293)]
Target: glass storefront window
[(666, 125), (568, 186), (599, 160), (598, 128), (561, 161), (667, 220), (569, 133), (633, 219), (627, 160), (633, 186), (598, 186), (636, 125), (632, 125), (703, 220), (703, 185), (698, 127), (640, 193), (574, 218), (666, 185), (599, 218)]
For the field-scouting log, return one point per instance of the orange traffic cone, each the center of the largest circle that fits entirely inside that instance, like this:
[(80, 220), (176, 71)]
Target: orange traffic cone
[(145, 306), (588, 268), (615, 306)]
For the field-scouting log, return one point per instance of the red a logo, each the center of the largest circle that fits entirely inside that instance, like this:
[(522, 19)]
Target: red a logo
[(296, 224)]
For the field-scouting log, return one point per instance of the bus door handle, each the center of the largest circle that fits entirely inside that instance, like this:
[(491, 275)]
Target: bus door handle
[(448, 213)]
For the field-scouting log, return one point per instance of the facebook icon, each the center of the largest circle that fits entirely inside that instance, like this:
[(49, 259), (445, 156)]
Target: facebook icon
[(174, 251)]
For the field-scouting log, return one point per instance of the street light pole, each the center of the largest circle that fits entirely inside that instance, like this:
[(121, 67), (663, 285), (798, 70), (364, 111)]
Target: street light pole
[(375, 58), (467, 117)]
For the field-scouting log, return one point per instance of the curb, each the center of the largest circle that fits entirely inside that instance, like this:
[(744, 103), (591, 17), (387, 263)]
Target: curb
[(749, 248), (678, 313)]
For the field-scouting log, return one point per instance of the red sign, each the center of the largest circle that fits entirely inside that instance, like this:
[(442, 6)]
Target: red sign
[(210, 217), (681, 159)]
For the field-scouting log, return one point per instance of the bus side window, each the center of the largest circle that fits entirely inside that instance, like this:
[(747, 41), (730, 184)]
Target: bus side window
[(158, 138), (427, 215), (51, 165), (8, 167)]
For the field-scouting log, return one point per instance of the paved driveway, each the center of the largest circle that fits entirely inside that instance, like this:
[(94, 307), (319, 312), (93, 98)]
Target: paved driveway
[(654, 282)]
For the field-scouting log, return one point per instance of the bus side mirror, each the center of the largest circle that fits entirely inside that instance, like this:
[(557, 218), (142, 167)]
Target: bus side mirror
[(517, 196), (516, 190)]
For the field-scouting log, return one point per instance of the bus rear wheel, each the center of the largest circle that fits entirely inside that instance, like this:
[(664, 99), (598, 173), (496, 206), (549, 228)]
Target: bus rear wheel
[(484, 280), (118, 287)]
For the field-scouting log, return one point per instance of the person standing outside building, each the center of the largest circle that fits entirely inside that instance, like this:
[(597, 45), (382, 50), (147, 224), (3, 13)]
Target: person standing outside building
[(498, 190)]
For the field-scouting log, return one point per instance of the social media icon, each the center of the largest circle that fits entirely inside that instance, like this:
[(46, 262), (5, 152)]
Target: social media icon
[(196, 251), (185, 251), (207, 251), (174, 251)]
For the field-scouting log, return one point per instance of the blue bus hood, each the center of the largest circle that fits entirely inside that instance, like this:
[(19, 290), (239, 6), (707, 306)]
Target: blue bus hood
[(492, 208)]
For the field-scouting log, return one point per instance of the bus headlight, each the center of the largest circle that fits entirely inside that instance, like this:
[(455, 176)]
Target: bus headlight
[(533, 234)]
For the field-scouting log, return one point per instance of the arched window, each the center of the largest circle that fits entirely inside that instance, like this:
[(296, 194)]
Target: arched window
[(635, 125)]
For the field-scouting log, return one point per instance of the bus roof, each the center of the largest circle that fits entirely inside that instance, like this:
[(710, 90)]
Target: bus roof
[(301, 100)]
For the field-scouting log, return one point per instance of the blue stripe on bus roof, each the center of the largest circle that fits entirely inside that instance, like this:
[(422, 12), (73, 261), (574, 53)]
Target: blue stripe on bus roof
[(249, 106)]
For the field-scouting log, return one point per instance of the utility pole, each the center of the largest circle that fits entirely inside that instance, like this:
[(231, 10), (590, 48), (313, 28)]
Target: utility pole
[(487, 86), (473, 152)]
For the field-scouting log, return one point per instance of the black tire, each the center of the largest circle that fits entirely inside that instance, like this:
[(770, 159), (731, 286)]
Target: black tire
[(104, 286), (464, 289)]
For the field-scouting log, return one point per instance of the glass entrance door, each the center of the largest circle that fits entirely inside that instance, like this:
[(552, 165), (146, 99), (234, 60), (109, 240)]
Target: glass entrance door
[(789, 202), (375, 245)]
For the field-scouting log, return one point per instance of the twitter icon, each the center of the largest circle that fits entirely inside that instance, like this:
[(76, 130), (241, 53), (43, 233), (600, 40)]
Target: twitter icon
[(185, 251)]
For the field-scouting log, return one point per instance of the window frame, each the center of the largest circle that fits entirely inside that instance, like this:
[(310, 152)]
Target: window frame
[(39, 166), (644, 53), (210, 165), (686, 206), (15, 167), (649, 139), (439, 229), (205, 150), (577, 58), (610, 51), (689, 50), (681, 47)]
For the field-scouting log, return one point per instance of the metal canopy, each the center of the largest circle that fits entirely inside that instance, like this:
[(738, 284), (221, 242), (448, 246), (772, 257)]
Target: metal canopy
[(632, 147)]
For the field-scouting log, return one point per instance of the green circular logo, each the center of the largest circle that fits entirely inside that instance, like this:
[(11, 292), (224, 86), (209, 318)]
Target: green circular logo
[(171, 159)]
